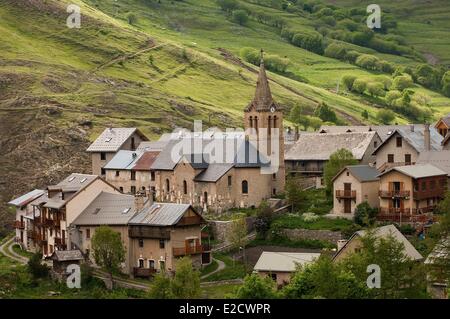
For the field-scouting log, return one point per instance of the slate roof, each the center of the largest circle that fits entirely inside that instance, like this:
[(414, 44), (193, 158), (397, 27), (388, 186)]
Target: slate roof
[(123, 160), (440, 159), (283, 261), (27, 198), (111, 139), (67, 255), (160, 214), (418, 170), (319, 146), (363, 173), (107, 209)]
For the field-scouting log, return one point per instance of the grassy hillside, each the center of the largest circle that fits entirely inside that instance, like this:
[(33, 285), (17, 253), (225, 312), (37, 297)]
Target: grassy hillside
[(178, 61)]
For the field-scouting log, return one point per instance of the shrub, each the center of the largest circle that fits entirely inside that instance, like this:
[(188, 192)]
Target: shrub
[(240, 17), (375, 89), (446, 83), (385, 116), (36, 268), (352, 56), (365, 114), (402, 82), (367, 61), (228, 5), (132, 18), (359, 86), (308, 41), (348, 81), (364, 214), (385, 80), (325, 113), (257, 287), (335, 50), (392, 96)]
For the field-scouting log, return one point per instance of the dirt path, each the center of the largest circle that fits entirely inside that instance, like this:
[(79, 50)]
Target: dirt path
[(221, 267), (7, 249)]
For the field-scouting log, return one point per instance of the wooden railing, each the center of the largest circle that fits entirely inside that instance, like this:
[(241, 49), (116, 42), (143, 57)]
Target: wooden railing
[(190, 250), (143, 272), (438, 192), (19, 224), (395, 193), (406, 214), (345, 194)]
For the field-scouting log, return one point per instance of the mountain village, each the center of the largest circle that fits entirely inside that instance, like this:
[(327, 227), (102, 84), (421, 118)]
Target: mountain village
[(166, 203)]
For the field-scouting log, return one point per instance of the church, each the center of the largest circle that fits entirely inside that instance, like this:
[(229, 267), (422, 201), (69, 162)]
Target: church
[(253, 172)]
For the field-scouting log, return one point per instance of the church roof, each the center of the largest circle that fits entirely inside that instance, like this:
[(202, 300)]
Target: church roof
[(263, 100)]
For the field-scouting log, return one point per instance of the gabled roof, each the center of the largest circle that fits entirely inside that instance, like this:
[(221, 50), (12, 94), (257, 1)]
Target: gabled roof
[(67, 255), (213, 173), (318, 146), (152, 146), (445, 120), (27, 198), (440, 252), (417, 171), (111, 139), (283, 261), (107, 209), (123, 160), (415, 138), (160, 214), (145, 162), (384, 232), (363, 173), (440, 159)]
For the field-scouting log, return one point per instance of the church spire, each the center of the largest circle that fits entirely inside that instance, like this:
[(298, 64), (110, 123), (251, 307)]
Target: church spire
[(263, 100)]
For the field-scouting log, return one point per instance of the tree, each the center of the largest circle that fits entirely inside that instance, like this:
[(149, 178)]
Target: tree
[(348, 81), (240, 17), (392, 96), (367, 61), (108, 250), (365, 114), (186, 282), (359, 86), (160, 288), (385, 116), (375, 89), (257, 287), (238, 234), (402, 82), (294, 192), (445, 82), (364, 214), (264, 217), (338, 160), (132, 18), (325, 113), (36, 268), (228, 5)]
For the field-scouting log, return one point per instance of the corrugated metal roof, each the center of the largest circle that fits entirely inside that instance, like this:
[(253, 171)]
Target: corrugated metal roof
[(283, 261), (145, 161), (123, 160), (440, 159), (384, 231), (364, 173), (107, 209), (418, 170), (27, 198), (320, 146), (160, 214), (111, 139)]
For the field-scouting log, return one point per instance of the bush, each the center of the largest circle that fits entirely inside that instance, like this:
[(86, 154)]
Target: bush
[(132, 18), (392, 96), (385, 116), (240, 17), (446, 84), (367, 61), (402, 82), (228, 5), (257, 287), (308, 41), (385, 80), (348, 81), (335, 50), (359, 86), (365, 114), (352, 56), (364, 214), (375, 89), (325, 113)]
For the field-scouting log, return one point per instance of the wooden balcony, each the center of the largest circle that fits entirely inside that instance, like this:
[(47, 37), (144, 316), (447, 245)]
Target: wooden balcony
[(345, 194), (143, 272), (394, 194), (405, 215), (19, 224), (190, 250), (439, 192)]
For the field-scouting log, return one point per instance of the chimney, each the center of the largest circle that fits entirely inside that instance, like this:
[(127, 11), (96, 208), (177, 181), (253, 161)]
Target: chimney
[(296, 134), (426, 137), (138, 201), (412, 127), (341, 243)]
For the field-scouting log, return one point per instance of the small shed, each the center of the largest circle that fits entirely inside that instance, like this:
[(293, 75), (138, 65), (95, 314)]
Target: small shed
[(63, 258)]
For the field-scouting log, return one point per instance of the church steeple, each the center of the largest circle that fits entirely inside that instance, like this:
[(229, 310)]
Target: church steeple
[(263, 100)]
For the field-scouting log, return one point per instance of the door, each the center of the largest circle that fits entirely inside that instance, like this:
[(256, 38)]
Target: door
[(347, 189), (347, 206)]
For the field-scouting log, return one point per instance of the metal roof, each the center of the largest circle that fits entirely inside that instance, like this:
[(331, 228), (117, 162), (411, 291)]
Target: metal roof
[(213, 173), (74, 182), (283, 261), (152, 145), (320, 146), (107, 209), (26, 198), (123, 160), (160, 214), (417, 171), (364, 173), (440, 159), (111, 139), (145, 161)]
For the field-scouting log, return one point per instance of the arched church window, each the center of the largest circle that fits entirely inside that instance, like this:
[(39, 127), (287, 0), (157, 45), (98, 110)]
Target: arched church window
[(244, 187)]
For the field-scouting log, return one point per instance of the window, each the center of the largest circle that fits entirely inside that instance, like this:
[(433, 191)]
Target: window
[(408, 159), (390, 158), (121, 189), (424, 186), (205, 197), (229, 181), (151, 264), (274, 277), (375, 144), (133, 189), (432, 185), (184, 187), (251, 121), (274, 176), (274, 191), (152, 175), (141, 243), (88, 233), (399, 141), (103, 156), (103, 171), (133, 175), (162, 244), (244, 187), (167, 185), (141, 263), (117, 173), (143, 189)]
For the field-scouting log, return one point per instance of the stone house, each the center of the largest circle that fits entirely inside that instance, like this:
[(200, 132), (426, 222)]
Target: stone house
[(62, 259), (354, 244), (408, 192), (308, 156), (110, 141), (153, 234), (404, 145), (352, 186), (54, 212), (281, 265), (24, 218)]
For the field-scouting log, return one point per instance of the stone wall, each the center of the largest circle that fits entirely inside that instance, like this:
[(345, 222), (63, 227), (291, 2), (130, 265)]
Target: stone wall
[(325, 235), (221, 229)]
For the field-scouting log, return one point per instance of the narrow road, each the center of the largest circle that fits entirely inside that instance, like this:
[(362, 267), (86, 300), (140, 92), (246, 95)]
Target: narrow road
[(221, 267), (6, 249)]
